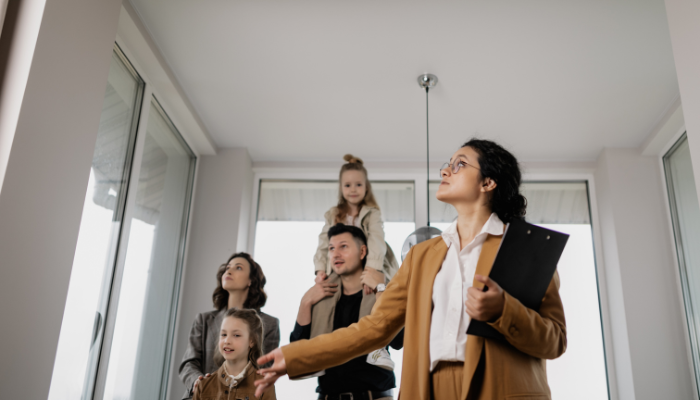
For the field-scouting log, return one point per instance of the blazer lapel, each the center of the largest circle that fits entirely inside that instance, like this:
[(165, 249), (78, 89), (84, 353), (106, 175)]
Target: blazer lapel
[(475, 344), (427, 269), (488, 254)]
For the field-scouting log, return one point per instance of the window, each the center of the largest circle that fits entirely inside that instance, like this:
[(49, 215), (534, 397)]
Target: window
[(80, 339), (142, 336), (118, 322), (290, 218), (685, 215), (563, 206)]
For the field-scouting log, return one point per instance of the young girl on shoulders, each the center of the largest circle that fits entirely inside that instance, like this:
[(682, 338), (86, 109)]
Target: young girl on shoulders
[(240, 345), (356, 206)]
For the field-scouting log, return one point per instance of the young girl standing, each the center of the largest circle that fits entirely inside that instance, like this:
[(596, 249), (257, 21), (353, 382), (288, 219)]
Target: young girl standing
[(356, 206), (240, 345)]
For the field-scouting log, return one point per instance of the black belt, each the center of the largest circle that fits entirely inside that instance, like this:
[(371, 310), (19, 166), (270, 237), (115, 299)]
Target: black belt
[(356, 395)]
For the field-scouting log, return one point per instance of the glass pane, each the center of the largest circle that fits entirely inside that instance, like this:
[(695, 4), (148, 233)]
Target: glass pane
[(686, 224), (290, 217), (563, 206), (83, 318), (142, 334)]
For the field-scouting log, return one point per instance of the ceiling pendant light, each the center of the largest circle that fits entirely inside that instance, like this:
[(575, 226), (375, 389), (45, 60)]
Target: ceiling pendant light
[(425, 81)]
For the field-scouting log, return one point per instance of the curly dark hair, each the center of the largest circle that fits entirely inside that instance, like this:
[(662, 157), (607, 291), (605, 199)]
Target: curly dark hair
[(255, 330), (500, 165), (256, 293)]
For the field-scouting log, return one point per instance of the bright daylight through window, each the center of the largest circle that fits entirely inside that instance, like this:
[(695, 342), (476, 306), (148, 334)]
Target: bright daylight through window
[(290, 218), (115, 344)]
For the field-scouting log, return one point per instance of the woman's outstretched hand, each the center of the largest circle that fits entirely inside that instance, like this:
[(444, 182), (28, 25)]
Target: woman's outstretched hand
[(488, 305), (270, 375)]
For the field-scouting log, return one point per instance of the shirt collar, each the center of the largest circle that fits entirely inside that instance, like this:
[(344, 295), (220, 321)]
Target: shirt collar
[(230, 380), (493, 226)]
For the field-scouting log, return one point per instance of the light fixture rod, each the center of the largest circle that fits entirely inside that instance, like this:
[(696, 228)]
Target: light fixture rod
[(427, 158), (427, 81)]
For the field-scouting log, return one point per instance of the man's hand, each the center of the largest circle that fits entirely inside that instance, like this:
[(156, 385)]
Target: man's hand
[(488, 305), (272, 374), (312, 296), (320, 276), (371, 278), (318, 292)]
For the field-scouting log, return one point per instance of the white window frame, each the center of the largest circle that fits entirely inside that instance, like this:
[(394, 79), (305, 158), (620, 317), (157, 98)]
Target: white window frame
[(660, 153), (161, 87)]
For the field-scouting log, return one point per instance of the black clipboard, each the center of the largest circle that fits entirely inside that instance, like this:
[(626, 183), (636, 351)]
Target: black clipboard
[(524, 266)]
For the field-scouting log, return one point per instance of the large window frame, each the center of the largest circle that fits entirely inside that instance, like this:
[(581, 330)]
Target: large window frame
[(148, 103), (692, 331), (540, 173)]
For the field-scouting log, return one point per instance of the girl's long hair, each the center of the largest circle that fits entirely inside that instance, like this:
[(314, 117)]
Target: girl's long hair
[(353, 164), (255, 331)]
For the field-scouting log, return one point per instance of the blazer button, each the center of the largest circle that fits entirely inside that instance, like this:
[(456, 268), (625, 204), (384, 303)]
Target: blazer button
[(225, 391), (513, 330), (223, 375)]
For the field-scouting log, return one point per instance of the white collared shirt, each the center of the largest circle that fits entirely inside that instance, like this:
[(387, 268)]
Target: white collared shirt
[(448, 326)]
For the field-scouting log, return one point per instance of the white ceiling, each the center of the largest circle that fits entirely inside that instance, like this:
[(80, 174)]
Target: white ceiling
[(313, 80)]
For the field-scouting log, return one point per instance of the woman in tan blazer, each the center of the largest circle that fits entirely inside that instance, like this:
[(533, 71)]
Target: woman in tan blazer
[(440, 361)]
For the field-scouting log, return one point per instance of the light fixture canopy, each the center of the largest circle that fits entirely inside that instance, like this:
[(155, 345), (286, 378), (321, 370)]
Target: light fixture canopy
[(427, 81)]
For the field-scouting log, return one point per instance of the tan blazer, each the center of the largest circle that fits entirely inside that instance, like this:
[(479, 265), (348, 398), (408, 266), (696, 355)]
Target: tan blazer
[(379, 254), (492, 369)]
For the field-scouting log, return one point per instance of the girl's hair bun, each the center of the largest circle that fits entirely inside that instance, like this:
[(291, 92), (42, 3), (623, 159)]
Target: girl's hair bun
[(352, 159)]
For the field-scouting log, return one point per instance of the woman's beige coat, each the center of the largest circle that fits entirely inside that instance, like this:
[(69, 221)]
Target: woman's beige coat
[(493, 370), (379, 254)]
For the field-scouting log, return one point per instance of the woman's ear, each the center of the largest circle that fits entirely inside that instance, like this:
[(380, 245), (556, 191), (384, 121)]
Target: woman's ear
[(488, 185)]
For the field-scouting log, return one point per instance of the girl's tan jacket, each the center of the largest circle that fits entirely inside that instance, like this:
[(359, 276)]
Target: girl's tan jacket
[(492, 369), (379, 254), (215, 387)]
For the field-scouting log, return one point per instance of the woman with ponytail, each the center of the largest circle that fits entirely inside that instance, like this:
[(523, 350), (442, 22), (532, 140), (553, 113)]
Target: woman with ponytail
[(439, 289), (357, 207)]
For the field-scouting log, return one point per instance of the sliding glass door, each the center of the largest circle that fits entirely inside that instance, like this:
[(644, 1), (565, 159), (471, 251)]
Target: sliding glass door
[(685, 214), (82, 329), (118, 323), (139, 356)]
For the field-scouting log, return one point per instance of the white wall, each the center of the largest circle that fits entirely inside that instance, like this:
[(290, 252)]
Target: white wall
[(683, 17), (45, 171), (219, 227), (649, 343)]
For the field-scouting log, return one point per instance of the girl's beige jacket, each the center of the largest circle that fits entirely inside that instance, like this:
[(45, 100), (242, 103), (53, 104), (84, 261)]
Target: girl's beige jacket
[(216, 387), (493, 370), (379, 254)]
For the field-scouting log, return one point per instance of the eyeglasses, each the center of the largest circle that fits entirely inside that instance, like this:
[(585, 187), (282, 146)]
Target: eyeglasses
[(456, 165)]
